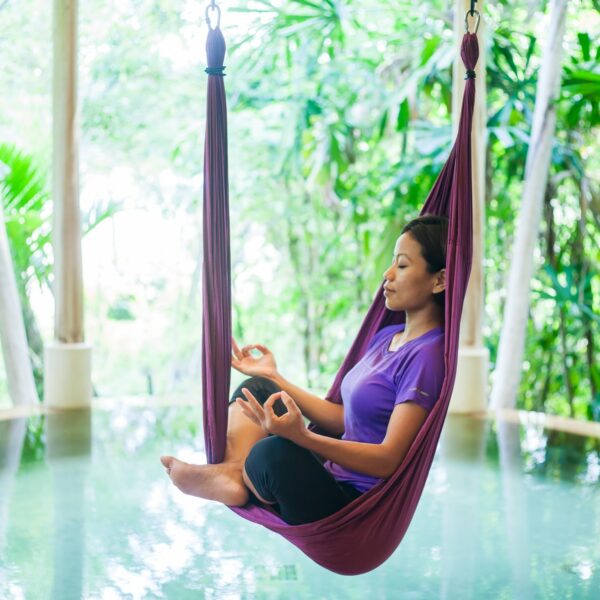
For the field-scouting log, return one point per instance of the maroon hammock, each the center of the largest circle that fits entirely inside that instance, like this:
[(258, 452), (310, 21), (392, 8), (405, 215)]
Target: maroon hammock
[(363, 534)]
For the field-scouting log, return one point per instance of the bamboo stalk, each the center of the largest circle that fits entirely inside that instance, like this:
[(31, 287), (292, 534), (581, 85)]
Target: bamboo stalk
[(507, 375)]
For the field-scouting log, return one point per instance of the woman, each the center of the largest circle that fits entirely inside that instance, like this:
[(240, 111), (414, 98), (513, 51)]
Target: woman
[(273, 458)]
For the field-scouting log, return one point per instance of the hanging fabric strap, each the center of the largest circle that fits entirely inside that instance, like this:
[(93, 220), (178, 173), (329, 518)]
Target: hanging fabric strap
[(216, 265), (364, 533)]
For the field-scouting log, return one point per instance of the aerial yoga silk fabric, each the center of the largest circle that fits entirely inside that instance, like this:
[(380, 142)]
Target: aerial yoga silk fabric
[(363, 534)]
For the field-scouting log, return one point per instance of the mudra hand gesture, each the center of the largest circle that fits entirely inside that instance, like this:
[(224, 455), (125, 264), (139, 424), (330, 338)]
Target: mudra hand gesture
[(243, 361), (290, 425)]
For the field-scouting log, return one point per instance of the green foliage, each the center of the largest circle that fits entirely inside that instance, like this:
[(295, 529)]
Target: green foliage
[(27, 215), (24, 197), (360, 147), (121, 309), (339, 122)]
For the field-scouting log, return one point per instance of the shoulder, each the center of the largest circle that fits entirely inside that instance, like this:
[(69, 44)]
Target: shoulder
[(420, 376), (427, 353), (428, 347)]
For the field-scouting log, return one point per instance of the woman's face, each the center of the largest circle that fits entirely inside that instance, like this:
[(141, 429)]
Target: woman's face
[(408, 285)]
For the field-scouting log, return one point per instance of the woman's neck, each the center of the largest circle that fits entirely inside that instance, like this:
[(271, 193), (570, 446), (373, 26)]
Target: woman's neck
[(419, 322)]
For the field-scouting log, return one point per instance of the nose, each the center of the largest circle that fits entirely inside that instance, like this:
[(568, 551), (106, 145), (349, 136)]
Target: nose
[(386, 274)]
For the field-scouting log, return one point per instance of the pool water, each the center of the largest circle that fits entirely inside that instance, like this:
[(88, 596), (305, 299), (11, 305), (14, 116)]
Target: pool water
[(87, 511)]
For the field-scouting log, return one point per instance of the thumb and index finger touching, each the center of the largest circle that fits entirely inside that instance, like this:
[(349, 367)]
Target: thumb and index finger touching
[(240, 353), (287, 400), (246, 349)]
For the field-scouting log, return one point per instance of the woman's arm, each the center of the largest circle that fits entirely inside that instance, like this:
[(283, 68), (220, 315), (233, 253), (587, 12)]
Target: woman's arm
[(376, 460), (326, 414)]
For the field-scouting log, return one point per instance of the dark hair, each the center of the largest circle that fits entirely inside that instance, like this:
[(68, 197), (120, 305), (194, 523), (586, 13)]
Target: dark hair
[(431, 231)]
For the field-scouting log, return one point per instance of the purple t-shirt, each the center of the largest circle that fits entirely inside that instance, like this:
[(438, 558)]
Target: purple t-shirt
[(383, 379)]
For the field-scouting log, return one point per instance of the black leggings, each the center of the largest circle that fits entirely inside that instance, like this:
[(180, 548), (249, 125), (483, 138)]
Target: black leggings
[(289, 475)]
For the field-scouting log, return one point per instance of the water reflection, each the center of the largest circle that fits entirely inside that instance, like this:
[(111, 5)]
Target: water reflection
[(493, 521), (68, 447), (514, 498), (68, 434), (12, 436), (462, 442)]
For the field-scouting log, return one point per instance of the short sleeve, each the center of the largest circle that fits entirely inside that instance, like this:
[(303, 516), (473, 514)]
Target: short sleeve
[(421, 378)]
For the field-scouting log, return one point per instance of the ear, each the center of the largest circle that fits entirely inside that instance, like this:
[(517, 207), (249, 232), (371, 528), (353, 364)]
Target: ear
[(440, 282)]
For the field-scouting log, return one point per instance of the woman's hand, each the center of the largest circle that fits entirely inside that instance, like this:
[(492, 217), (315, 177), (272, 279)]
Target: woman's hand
[(244, 362), (290, 425)]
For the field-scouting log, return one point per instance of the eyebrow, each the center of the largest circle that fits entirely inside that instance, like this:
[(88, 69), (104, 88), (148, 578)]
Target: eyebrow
[(402, 254)]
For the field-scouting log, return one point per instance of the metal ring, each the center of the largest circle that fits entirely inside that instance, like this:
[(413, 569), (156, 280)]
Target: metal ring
[(216, 7), (473, 13)]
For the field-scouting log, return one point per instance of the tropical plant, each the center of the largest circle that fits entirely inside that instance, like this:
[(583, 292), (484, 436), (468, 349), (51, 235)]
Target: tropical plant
[(26, 201)]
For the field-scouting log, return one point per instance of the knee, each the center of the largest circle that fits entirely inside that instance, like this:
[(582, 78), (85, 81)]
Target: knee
[(261, 388), (256, 383), (262, 455), (269, 454)]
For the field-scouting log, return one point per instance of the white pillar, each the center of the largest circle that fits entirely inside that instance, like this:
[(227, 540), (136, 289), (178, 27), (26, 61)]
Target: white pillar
[(470, 388), (507, 375), (67, 360), (13, 339)]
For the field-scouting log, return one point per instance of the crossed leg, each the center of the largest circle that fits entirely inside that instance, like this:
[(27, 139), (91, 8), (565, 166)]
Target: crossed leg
[(225, 482)]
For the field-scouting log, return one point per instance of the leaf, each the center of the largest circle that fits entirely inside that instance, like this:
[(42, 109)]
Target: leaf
[(584, 43), (382, 124), (403, 116), (23, 187)]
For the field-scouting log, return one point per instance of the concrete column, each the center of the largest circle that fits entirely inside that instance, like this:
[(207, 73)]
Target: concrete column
[(470, 389), (67, 377)]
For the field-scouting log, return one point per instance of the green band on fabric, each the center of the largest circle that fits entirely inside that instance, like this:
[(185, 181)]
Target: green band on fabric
[(215, 71)]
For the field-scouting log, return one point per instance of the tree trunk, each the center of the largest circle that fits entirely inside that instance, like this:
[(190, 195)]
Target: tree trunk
[(586, 294), (34, 339), (507, 375), (21, 385)]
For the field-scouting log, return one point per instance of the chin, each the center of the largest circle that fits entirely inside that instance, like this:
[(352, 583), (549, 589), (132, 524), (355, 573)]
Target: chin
[(392, 307)]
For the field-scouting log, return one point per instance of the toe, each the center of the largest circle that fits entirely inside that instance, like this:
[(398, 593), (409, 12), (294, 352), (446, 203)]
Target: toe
[(167, 461)]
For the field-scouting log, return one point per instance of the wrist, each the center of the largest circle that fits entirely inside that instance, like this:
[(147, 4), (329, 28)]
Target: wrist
[(305, 438), (276, 378)]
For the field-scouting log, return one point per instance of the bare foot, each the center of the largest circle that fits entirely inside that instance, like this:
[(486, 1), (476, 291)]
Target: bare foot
[(221, 482)]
